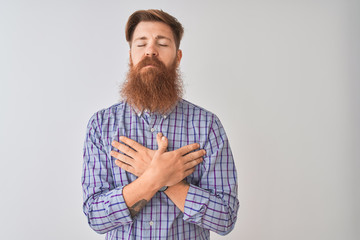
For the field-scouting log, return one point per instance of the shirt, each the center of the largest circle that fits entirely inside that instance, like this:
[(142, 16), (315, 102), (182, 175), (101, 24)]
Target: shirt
[(211, 202)]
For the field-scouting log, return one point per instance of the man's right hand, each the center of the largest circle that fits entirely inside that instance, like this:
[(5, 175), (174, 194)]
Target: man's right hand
[(169, 168)]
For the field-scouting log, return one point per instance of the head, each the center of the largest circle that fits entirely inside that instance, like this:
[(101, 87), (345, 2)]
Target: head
[(153, 80), (154, 15)]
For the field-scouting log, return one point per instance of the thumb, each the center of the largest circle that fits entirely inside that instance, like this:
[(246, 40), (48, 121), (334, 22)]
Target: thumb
[(162, 142)]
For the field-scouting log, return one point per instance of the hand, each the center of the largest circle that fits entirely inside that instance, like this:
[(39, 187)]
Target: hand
[(169, 168), (139, 156)]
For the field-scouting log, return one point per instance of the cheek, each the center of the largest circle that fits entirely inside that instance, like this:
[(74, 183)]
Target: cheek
[(135, 57), (170, 61), (135, 60), (167, 58)]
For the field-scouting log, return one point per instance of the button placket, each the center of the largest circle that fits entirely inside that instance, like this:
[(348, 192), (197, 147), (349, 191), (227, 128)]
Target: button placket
[(153, 121)]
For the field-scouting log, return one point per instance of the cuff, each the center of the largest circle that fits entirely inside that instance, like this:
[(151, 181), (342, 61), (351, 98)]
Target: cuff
[(196, 203), (116, 208)]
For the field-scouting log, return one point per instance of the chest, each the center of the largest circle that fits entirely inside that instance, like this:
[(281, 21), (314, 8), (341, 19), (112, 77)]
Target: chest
[(180, 130)]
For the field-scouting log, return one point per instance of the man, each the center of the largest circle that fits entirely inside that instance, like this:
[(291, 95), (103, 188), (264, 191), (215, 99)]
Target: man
[(186, 187)]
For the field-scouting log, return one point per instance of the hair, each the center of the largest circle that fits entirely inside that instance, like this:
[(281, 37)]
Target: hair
[(154, 15)]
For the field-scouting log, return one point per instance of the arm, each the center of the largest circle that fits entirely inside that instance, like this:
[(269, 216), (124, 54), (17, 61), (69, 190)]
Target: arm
[(213, 204), (138, 158), (104, 205), (177, 194), (165, 169), (108, 207)]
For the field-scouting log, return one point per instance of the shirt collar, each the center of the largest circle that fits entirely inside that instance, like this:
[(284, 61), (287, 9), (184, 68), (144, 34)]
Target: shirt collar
[(139, 113)]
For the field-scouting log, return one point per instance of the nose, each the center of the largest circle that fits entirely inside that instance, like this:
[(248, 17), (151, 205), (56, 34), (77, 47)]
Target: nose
[(151, 51)]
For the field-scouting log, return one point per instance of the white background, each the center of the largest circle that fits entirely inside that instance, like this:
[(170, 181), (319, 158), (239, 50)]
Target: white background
[(283, 77)]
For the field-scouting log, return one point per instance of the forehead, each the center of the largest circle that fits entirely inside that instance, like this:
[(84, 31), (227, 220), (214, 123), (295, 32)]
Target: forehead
[(152, 30)]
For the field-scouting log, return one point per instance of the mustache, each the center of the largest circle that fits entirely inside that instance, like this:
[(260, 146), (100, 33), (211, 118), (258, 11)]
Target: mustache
[(154, 61)]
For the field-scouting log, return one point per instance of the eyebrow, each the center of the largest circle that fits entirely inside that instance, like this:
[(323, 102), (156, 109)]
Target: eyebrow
[(157, 38)]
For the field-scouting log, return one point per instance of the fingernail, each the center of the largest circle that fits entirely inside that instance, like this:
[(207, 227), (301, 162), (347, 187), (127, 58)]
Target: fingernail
[(163, 138), (121, 137)]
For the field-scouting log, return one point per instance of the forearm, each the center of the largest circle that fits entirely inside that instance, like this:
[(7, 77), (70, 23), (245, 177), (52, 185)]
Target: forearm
[(118, 207), (177, 194), (139, 192)]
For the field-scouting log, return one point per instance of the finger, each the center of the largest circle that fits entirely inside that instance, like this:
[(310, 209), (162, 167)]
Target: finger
[(188, 172), (124, 166), (194, 155), (122, 157), (158, 138), (162, 142), (127, 150), (115, 144), (135, 145), (188, 148), (193, 163), (123, 148)]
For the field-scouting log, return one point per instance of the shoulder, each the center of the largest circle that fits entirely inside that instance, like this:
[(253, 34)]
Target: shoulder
[(194, 111), (107, 114), (112, 109), (188, 105), (109, 111)]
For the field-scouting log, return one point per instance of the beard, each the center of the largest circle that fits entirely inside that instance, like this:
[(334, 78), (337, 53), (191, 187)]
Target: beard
[(155, 88)]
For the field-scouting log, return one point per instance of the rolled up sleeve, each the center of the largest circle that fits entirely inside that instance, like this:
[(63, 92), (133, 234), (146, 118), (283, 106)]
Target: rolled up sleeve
[(213, 203), (104, 205)]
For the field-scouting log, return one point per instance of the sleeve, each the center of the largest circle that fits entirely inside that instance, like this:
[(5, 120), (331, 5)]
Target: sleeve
[(104, 205), (214, 204)]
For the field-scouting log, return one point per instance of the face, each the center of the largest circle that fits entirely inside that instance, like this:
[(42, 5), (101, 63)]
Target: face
[(154, 39)]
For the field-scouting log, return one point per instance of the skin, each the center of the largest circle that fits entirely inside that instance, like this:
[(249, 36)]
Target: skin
[(163, 169), (138, 158), (155, 169), (154, 39)]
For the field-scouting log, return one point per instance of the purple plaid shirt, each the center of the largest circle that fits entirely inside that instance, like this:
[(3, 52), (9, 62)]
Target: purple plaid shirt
[(211, 202)]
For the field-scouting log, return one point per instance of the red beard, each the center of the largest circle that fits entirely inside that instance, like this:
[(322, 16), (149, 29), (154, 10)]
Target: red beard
[(156, 88)]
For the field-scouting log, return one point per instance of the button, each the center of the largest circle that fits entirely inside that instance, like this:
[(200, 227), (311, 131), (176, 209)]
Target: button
[(152, 129), (151, 223), (164, 116)]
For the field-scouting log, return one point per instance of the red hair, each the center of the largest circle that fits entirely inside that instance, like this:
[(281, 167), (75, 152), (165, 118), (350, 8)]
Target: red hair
[(154, 15)]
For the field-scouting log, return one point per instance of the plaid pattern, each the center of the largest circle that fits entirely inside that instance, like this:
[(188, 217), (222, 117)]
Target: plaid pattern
[(211, 202)]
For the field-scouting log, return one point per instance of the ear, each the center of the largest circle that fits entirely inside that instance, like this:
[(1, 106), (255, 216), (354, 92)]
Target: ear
[(178, 57)]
